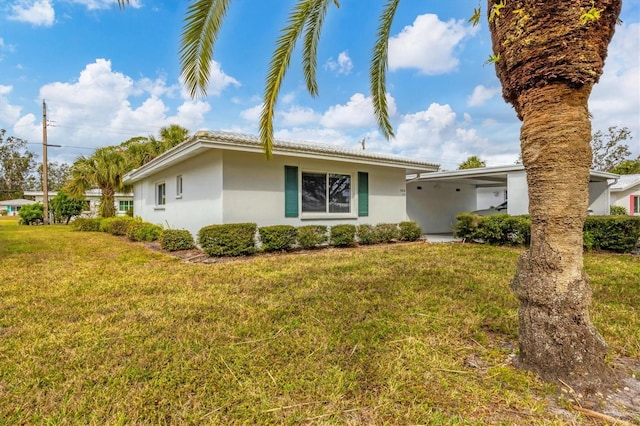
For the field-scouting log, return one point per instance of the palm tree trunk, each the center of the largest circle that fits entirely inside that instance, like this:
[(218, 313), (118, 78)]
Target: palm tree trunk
[(556, 336), (107, 202)]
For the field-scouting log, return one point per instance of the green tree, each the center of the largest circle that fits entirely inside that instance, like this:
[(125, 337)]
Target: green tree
[(64, 207), (172, 135), (608, 149), (16, 165), (547, 55), (627, 167), (472, 162), (103, 170)]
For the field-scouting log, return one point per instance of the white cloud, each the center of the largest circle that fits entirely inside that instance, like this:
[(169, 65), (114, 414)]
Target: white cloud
[(428, 45), (358, 112), (343, 66), (615, 100), (252, 114), (482, 94), (104, 4), (35, 12), (218, 81), (8, 113), (105, 107), (299, 116)]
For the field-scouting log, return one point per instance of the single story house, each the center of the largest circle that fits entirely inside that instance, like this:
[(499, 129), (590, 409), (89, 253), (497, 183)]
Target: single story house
[(12, 207), (626, 193), (434, 199), (122, 201), (221, 177)]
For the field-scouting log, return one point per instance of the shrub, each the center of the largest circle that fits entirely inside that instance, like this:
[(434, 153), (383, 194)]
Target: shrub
[(387, 232), (234, 239), (367, 234), (466, 226), (617, 211), (615, 233), (86, 224), (117, 225), (409, 231), (143, 231), (310, 236), (31, 214), (343, 235), (278, 237), (176, 239)]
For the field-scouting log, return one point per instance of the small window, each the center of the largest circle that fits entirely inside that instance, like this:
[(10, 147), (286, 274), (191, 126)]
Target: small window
[(326, 193), (179, 186), (125, 205), (636, 204), (161, 194)]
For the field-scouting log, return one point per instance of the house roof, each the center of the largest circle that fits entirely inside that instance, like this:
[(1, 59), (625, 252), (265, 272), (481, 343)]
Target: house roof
[(89, 193), (626, 182), (202, 141), (16, 202), (491, 176)]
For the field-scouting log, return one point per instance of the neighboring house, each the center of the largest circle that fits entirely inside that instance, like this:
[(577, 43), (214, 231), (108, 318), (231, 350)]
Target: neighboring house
[(12, 207), (626, 193), (434, 199), (123, 202), (220, 177)]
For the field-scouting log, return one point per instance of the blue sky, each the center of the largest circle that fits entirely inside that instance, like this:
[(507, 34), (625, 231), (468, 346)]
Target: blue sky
[(109, 74)]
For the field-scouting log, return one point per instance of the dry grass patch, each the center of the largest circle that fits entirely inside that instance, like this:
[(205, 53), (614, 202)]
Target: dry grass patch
[(94, 329)]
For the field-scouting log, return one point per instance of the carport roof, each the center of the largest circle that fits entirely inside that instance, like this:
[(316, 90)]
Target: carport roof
[(490, 176)]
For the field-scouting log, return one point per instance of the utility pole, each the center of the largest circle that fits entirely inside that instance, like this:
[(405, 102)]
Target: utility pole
[(45, 163), (45, 180)]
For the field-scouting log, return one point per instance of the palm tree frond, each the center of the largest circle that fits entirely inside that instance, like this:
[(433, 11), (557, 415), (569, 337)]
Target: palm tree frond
[(378, 70), (311, 39), (122, 3), (203, 22), (278, 68)]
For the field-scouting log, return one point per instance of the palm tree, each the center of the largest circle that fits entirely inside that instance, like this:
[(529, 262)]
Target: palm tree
[(172, 135), (472, 162), (548, 55), (104, 169)]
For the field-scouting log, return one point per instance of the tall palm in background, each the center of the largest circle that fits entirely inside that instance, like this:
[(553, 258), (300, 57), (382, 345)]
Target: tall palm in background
[(104, 169), (548, 55)]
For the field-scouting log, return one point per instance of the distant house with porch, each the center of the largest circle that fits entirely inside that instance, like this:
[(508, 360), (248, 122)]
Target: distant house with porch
[(626, 193), (12, 207), (123, 201)]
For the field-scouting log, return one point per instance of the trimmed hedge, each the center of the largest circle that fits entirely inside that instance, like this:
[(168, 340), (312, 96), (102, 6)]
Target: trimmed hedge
[(311, 236), (387, 232), (143, 231), (409, 231), (176, 239), (117, 225), (617, 211), (234, 239), (367, 234), (343, 235), (278, 237), (86, 224), (613, 233), (31, 214)]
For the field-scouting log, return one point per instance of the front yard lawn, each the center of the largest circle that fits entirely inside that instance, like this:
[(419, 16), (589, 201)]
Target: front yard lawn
[(98, 330)]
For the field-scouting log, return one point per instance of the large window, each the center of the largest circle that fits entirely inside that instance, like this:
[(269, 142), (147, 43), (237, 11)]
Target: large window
[(161, 194), (125, 205), (636, 204), (326, 193)]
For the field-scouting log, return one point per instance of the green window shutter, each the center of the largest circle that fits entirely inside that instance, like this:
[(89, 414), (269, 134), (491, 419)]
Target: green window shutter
[(290, 191), (363, 194)]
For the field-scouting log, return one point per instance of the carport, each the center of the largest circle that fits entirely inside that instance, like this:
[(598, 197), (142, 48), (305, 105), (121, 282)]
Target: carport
[(434, 199)]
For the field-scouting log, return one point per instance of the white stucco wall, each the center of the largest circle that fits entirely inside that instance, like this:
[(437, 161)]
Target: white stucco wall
[(254, 191), (599, 198), (490, 197), (518, 194), (201, 200), (623, 198), (435, 205)]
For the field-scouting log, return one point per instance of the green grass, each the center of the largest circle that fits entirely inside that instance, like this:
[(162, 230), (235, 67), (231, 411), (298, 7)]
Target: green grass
[(98, 330)]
